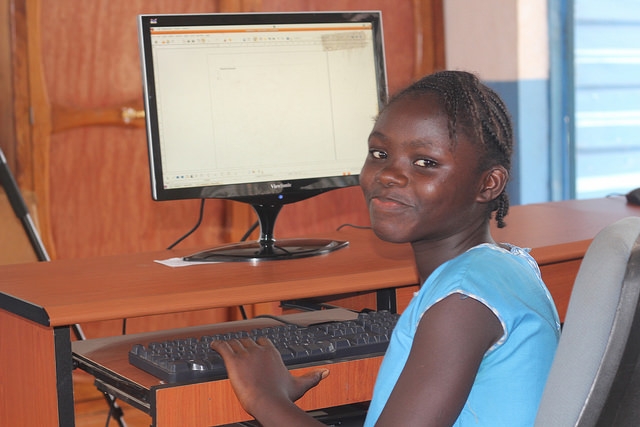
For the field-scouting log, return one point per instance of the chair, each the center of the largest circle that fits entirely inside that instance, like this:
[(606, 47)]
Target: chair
[(595, 375)]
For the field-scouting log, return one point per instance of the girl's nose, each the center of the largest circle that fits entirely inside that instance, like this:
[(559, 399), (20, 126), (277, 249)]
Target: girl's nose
[(392, 175)]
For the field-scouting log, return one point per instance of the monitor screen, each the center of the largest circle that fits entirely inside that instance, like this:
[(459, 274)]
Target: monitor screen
[(263, 108)]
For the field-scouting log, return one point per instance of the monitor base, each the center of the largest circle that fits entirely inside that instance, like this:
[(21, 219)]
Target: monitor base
[(276, 250)]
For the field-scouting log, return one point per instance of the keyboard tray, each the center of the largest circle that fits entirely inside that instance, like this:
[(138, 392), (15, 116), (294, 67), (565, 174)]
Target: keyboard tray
[(213, 402), (191, 358)]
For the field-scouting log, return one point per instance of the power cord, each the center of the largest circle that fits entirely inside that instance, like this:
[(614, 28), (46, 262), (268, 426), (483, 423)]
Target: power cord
[(195, 227), (115, 411)]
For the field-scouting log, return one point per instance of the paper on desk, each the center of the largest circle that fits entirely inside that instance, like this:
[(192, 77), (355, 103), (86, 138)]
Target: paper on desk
[(176, 262)]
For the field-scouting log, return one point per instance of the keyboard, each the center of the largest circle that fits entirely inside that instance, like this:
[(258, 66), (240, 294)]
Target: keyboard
[(191, 359)]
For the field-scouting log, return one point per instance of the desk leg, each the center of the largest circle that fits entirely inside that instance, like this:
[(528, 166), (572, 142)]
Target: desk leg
[(386, 300), (64, 377)]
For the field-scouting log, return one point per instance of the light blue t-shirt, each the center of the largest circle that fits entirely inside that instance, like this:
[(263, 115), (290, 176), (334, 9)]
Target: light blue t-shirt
[(513, 372)]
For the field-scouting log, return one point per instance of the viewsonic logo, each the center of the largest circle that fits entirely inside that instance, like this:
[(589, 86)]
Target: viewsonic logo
[(278, 186)]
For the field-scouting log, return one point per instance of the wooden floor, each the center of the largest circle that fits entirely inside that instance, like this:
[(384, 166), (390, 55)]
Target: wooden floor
[(92, 409)]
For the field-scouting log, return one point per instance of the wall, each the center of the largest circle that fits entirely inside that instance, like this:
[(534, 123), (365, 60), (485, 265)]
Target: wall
[(506, 44)]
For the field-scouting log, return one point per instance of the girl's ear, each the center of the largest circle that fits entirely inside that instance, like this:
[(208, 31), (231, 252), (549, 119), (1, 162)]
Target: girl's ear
[(493, 182)]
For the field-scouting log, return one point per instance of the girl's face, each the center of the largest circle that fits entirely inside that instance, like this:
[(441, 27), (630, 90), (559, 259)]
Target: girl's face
[(417, 185)]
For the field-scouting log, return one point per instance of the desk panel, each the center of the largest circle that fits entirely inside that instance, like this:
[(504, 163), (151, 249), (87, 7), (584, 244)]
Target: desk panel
[(27, 365), (559, 278), (214, 403)]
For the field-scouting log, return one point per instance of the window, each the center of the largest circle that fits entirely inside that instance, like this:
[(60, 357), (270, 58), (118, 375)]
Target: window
[(606, 97)]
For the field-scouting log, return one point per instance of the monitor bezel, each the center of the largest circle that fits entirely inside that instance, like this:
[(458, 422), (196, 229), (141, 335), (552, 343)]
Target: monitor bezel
[(256, 193)]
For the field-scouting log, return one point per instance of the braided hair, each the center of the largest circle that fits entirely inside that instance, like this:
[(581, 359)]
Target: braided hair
[(477, 112)]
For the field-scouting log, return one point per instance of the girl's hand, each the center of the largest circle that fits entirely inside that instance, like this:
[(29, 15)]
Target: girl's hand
[(260, 379)]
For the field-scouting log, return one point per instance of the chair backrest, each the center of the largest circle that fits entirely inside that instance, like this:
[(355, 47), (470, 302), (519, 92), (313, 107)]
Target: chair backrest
[(591, 381)]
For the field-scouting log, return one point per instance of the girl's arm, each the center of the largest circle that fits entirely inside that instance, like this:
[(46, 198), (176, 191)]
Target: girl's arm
[(451, 340)]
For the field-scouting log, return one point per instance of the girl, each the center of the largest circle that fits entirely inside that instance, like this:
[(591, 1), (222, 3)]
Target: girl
[(475, 344)]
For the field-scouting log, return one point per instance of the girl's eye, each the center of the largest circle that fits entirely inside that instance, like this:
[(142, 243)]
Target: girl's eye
[(425, 163), (377, 154)]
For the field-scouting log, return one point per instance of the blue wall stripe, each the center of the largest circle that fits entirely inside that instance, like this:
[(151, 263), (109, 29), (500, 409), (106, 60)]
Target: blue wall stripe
[(527, 101)]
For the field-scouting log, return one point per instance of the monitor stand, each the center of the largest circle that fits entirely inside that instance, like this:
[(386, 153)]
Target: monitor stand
[(267, 247)]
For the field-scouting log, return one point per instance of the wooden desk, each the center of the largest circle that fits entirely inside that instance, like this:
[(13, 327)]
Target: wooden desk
[(559, 233), (39, 301)]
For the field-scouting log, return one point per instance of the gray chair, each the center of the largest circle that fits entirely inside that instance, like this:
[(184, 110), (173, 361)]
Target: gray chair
[(594, 378)]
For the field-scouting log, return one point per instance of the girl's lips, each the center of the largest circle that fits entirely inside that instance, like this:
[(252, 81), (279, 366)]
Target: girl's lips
[(389, 202)]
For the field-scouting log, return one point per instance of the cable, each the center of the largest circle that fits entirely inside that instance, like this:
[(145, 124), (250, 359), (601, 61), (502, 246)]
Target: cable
[(277, 318), (255, 225), (242, 312), (250, 230), (359, 227), (195, 227), (114, 411)]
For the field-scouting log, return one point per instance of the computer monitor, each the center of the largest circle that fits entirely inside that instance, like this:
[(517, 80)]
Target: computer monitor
[(262, 108)]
